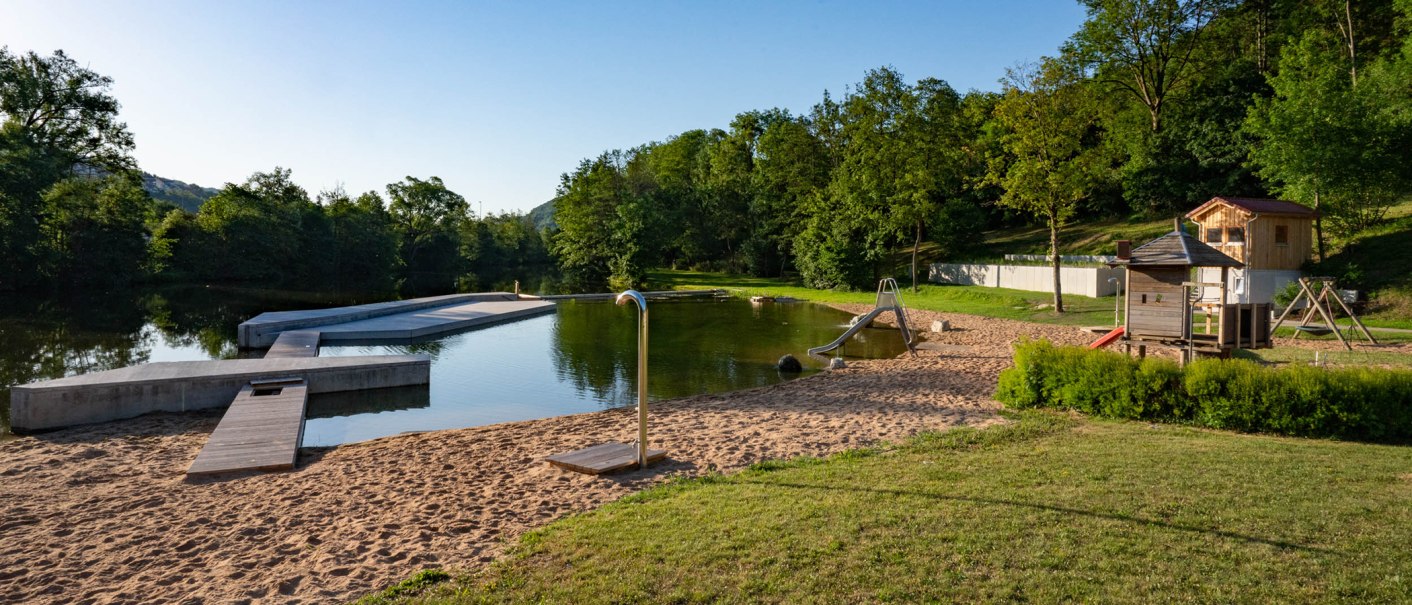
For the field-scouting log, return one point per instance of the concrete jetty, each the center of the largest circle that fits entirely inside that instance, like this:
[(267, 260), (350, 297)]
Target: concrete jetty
[(398, 319), (430, 322), (178, 386), (295, 343)]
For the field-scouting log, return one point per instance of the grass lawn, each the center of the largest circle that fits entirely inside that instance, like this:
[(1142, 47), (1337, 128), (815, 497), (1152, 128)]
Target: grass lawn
[(1356, 357), (972, 300), (1048, 508)]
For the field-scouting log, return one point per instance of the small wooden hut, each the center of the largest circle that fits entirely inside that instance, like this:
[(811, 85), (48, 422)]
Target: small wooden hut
[(1161, 296), (1272, 238)]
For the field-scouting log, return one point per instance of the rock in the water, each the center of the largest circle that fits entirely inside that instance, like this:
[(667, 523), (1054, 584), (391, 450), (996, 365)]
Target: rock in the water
[(789, 364), (837, 364)]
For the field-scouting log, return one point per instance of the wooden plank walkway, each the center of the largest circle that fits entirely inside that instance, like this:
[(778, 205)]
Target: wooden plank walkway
[(605, 458), (295, 343), (262, 430)]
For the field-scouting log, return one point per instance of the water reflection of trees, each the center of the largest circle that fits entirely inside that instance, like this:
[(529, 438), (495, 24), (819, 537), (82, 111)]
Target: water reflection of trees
[(696, 347), (595, 349), (48, 337), (56, 337)]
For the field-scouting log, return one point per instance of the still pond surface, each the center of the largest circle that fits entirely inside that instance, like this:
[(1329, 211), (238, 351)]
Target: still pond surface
[(581, 358)]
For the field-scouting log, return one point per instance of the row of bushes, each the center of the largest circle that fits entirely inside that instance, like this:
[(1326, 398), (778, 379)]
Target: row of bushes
[(1358, 403)]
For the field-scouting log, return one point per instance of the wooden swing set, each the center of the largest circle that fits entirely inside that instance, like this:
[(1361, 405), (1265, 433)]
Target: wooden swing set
[(1320, 305)]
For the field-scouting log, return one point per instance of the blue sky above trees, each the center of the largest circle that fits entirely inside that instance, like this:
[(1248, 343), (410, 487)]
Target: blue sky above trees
[(499, 98)]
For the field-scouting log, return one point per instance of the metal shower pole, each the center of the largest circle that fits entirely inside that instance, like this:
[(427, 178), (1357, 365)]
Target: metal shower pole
[(637, 297)]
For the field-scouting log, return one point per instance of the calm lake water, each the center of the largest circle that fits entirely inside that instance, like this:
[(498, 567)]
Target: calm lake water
[(581, 358)]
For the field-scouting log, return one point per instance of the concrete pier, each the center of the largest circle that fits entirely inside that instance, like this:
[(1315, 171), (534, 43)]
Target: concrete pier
[(262, 330), (178, 386), (296, 343), (430, 322)]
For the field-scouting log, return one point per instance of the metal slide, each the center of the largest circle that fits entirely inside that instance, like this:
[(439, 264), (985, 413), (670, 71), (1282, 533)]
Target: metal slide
[(887, 300), (862, 323)]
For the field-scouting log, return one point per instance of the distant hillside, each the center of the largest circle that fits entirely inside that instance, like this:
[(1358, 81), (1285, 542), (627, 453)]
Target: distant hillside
[(543, 216), (186, 196)]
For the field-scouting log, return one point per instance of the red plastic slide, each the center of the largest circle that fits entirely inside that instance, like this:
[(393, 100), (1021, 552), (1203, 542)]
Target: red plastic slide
[(1107, 339)]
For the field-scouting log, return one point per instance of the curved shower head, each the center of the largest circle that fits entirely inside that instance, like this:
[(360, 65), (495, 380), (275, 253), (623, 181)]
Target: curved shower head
[(633, 295)]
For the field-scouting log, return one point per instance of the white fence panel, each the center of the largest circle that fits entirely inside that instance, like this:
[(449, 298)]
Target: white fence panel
[(1086, 281)]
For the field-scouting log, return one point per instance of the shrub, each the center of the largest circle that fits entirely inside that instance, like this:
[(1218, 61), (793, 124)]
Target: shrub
[(1359, 403)]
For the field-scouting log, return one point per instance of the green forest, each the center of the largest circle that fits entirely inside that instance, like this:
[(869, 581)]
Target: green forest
[(1150, 108)]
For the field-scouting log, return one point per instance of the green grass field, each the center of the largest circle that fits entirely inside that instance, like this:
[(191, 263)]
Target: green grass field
[(1048, 508), (972, 300)]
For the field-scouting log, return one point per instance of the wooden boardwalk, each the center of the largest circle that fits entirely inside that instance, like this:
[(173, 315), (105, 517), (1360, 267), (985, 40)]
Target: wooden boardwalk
[(262, 430), (295, 343), (605, 458)]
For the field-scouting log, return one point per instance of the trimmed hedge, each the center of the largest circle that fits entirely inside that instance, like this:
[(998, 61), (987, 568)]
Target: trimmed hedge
[(1357, 403)]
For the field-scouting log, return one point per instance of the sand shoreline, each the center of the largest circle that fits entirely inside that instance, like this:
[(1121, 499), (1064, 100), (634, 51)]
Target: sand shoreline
[(105, 514)]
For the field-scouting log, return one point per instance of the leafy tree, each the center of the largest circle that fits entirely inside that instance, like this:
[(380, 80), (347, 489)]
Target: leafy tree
[(1047, 115), (1339, 148), (253, 229), (64, 110), (364, 243), (830, 252), (673, 175), (1147, 48), (94, 230), (55, 117), (426, 217), (497, 246), (590, 228), (872, 175), (934, 184), (731, 180), (902, 160), (178, 250), (791, 167)]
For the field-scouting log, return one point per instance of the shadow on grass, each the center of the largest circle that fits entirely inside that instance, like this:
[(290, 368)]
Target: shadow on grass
[(1052, 508)]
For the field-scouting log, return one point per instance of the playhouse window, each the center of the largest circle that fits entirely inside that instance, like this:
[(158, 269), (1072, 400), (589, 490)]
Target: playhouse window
[(1213, 235), (1282, 235), (1235, 235)]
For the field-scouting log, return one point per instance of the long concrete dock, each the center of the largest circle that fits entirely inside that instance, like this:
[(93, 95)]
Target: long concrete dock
[(430, 322), (263, 427), (295, 343), (399, 319), (178, 386)]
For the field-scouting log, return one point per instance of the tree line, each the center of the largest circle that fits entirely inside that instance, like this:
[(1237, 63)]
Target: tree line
[(1151, 108), (73, 211)]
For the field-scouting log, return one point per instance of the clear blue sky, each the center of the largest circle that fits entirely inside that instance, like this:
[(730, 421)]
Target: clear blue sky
[(496, 98)]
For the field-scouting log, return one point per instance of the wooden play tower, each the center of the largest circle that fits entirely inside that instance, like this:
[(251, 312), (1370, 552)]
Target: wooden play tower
[(1162, 293)]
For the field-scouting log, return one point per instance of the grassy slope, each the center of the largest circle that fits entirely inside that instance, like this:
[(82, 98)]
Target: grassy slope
[(1382, 258), (1046, 509), (1081, 237)]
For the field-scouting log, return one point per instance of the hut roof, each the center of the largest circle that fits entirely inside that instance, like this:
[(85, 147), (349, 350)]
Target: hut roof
[(1177, 249), (1254, 206)]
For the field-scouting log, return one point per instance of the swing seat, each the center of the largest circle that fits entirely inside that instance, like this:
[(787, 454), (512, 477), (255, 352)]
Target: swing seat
[(1314, 330)]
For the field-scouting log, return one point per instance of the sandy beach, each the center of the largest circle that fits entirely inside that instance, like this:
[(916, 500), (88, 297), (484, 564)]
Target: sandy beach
[(105, 513)]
